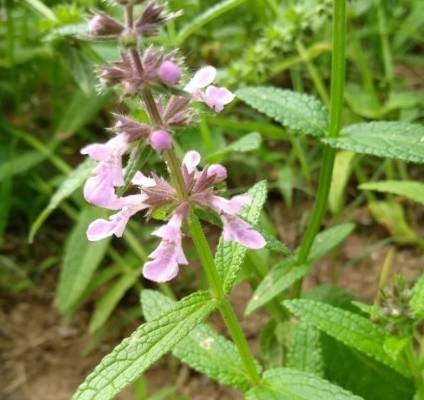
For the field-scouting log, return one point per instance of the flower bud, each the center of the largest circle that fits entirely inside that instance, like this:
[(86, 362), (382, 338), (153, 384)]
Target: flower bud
[(128, 38), (218, 171), (103, 25), (169, 73), (160, 140)]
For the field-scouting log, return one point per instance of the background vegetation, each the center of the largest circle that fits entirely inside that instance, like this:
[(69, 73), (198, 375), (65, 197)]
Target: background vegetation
[(51, 108)]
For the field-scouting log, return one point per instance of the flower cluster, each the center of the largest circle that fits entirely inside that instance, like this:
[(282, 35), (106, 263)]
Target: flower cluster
[(140, 75)]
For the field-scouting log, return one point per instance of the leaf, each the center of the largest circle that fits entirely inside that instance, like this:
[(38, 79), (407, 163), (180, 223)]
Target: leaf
[(107, 303), (290, 384), (409, 189), (342, 168), (82, 108), (145, 346), (209, 15), (304, 350), (203, 349), (71, 183), (371, 379), (347, 327), (229, 255), (282, 275), (41, 8), (391, 215), (395, 140), (417, 299), (20, 164), (251, 141), (80, 260), (299, 112), (278, 279)]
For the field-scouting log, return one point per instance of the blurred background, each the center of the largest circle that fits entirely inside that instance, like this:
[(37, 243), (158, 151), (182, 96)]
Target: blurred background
[(65, 302)]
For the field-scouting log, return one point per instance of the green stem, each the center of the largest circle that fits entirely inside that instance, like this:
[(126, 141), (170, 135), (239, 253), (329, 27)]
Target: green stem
[(336, 105), (225, 308)]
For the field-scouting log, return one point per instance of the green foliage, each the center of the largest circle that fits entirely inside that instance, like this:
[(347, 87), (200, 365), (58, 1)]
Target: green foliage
[(229, 255), (289, 384), (362, 374), (145, 346), (417, 299), (395, 140), (285, 273), (210, 14), (409, 189), (250, 142), (203, 349), (349, 328), (80, 261), (299, 112), (71, 183), (304, 350), (110, 299)]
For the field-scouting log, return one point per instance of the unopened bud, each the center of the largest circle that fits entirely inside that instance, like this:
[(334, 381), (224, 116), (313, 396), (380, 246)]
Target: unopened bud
[(218, 171), (128, 38), (169, 73), (102, 24), (160, 140)]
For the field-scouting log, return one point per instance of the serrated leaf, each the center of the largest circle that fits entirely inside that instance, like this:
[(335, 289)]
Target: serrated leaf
[(71, 183), (347, 327), (209, 15), (409, 189), (290, 384), (396, 140), (203, 349), (361, 374), (145, 346), (304, 350), (229, 255), (284, 274), (80, 260), (297, 111), (107, 303), (417, 299)]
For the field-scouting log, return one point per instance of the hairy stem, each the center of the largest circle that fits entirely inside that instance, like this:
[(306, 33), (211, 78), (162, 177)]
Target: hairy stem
[(338, 67)]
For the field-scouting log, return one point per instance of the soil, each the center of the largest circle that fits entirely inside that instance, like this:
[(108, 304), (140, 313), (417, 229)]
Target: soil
[(42, 357)]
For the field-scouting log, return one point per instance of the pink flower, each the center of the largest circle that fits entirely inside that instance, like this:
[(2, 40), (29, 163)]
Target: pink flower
[(202, 89), (167, 257), (108, 174), (115, 225)]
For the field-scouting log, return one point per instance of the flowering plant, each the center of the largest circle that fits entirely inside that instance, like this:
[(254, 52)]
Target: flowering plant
[(157, 77)]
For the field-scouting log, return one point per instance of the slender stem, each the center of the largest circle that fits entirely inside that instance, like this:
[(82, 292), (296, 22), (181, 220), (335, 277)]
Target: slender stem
[(336, 104), (206, 257)]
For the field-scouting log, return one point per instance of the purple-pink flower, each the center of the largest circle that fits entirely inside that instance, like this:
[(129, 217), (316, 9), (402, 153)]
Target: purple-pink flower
[(108, 174), (156, 192), (201, 89), (169, 255), (115, 225)]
